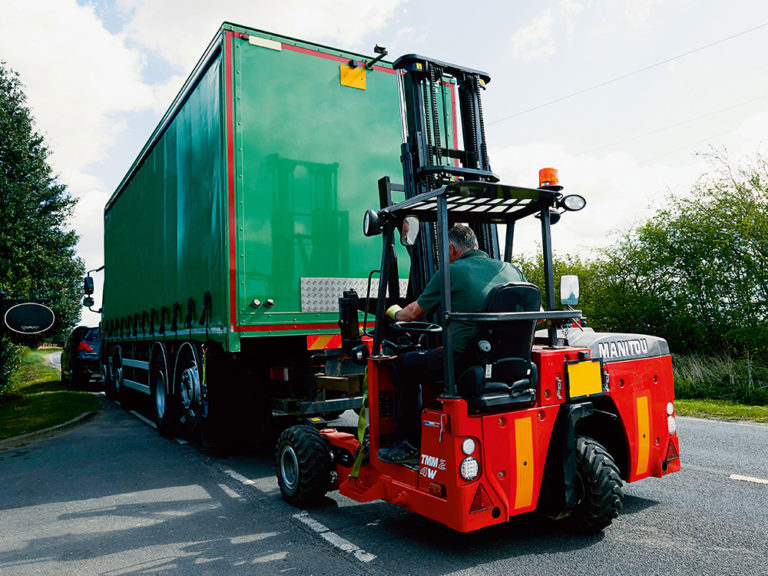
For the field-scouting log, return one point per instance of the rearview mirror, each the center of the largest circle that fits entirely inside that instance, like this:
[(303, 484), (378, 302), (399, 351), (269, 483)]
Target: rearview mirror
[(88, 301), (88, 285), (409, 231), (569, 290)]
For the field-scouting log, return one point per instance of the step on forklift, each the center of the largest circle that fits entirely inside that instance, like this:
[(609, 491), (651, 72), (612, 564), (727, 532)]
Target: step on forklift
[(553, 420)]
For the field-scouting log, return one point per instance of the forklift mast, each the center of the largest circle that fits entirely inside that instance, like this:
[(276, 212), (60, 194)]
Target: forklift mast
[(431, 154)]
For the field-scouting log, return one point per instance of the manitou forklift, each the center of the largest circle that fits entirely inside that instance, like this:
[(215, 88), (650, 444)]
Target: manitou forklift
[(551, 420)]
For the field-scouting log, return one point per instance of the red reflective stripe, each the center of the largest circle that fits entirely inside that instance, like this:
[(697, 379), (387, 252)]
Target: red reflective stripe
[(274, 327), (231, 180), (455, 126), (341, 59)]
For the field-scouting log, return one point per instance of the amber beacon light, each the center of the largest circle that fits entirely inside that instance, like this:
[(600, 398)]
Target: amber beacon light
[(548, 178)]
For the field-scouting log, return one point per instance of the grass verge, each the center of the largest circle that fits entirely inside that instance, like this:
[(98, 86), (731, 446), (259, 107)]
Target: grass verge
[(38, 400), (720, 409)]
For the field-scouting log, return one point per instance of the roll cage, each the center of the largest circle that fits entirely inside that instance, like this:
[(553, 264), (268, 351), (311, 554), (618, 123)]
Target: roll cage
[(474, 203)]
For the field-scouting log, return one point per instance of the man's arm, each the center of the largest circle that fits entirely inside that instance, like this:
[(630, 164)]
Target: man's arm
[(410, 313)]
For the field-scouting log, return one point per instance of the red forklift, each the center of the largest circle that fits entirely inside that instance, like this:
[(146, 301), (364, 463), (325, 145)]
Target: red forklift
[(551, 420)]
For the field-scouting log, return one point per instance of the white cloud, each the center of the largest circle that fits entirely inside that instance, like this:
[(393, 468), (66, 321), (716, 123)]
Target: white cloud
[(620, 191), (571, 7), (76, 74), (179, 36), (638, 11), (535, 41)]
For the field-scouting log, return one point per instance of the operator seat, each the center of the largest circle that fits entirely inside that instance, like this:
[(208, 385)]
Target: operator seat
[(502, 350)]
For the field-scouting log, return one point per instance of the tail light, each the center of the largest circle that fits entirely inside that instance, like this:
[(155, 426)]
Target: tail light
[(84, 347)]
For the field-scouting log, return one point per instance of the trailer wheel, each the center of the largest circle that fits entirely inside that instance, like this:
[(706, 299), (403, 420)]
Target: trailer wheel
[(599, 483), (109, 379), (188, 387), (303, 465), (163, 402), (121, 393)]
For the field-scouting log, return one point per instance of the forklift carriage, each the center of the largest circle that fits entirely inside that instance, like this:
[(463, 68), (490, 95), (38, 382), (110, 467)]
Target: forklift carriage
[(552, 421)]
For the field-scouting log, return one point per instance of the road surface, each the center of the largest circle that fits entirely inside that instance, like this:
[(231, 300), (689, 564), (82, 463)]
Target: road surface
[(113, 497)]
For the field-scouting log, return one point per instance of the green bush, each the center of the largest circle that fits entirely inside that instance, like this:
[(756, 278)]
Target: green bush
[(724, 377), (11, 361)]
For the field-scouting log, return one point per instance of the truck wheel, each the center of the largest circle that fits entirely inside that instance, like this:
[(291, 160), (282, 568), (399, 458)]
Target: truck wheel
[(188, 387), (109, 380), (303, 465), (163, 402), (124, 394), (599, 483)]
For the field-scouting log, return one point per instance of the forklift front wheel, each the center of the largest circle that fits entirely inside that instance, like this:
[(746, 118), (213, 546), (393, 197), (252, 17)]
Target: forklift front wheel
[(303, 465), (599, 483)]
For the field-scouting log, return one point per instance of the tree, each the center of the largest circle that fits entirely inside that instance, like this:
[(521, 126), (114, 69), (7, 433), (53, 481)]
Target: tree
[(533, 268), (697, 272), (37, 249)]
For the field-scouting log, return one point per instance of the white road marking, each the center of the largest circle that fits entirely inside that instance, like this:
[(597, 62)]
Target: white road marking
[(748, 479), (229, 492), (731, 422), (239, 477), (144, 419), (334, 538), (181, 441)]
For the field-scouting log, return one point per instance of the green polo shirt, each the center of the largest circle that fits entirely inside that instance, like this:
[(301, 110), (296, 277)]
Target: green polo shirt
[(473, 275)]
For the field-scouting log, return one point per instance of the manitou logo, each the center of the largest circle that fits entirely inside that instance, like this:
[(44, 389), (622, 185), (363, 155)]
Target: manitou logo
[(624, 348)]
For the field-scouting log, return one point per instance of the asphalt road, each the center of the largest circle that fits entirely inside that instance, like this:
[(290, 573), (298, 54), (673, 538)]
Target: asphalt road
[(113, 497)]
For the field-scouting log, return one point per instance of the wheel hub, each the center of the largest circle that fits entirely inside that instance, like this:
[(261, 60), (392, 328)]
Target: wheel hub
[(190, 389), (160, 393), (289, 468)]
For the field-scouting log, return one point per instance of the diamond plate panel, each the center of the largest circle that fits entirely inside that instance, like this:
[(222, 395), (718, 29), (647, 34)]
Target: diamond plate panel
[(322, 294)]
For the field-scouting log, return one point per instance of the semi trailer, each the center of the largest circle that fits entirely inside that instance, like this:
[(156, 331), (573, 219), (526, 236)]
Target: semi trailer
[(232, 236)]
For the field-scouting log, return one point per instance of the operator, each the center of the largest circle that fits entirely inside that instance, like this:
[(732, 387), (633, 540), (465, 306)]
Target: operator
[(473, 275)]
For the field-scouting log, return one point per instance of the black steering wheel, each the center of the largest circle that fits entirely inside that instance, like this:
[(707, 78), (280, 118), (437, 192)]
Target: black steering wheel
[(418, 327)]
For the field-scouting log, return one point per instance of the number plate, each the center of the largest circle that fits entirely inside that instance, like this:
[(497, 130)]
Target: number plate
[(584, 378)]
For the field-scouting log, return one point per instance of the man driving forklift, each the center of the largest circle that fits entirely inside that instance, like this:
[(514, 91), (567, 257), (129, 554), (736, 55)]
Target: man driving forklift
[(473, 275)]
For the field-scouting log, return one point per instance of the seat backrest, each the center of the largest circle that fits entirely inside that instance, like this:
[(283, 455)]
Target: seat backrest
[(506, 345)]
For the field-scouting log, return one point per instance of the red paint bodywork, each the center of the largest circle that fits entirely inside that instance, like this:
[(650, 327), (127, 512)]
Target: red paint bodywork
[(511, 447)]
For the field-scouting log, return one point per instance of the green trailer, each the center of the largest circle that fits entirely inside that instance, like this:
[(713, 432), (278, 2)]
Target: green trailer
[(237, 229)]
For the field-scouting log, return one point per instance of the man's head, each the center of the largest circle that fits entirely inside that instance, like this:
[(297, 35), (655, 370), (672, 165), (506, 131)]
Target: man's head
[(461, 239)]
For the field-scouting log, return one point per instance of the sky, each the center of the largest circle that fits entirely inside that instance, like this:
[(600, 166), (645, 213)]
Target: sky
[(624, 97)]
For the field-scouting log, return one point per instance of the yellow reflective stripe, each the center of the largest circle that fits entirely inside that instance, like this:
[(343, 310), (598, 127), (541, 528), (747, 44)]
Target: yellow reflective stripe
[(643, 436), (524, 456)]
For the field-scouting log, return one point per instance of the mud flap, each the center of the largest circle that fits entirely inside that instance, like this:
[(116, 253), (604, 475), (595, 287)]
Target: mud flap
[(558, 495)]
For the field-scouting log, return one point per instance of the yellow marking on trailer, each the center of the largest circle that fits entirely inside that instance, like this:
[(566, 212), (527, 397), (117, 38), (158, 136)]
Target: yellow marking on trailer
[(524, 456), (643, 436), (352, 77)]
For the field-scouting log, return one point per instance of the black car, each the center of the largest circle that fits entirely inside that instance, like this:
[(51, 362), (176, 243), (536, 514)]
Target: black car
[(80, 357)]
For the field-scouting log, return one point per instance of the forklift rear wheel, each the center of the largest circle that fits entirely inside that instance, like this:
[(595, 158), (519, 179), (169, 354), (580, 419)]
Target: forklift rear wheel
[(599, 483), (303, 465)]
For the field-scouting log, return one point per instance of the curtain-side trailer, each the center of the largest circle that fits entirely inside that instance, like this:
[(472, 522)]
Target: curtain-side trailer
[(236, 230)]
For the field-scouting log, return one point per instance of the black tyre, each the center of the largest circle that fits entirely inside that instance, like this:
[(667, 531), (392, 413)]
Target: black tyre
[(164, 407), (599, 484), (125, 395), (303, 465), (109, 380)]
